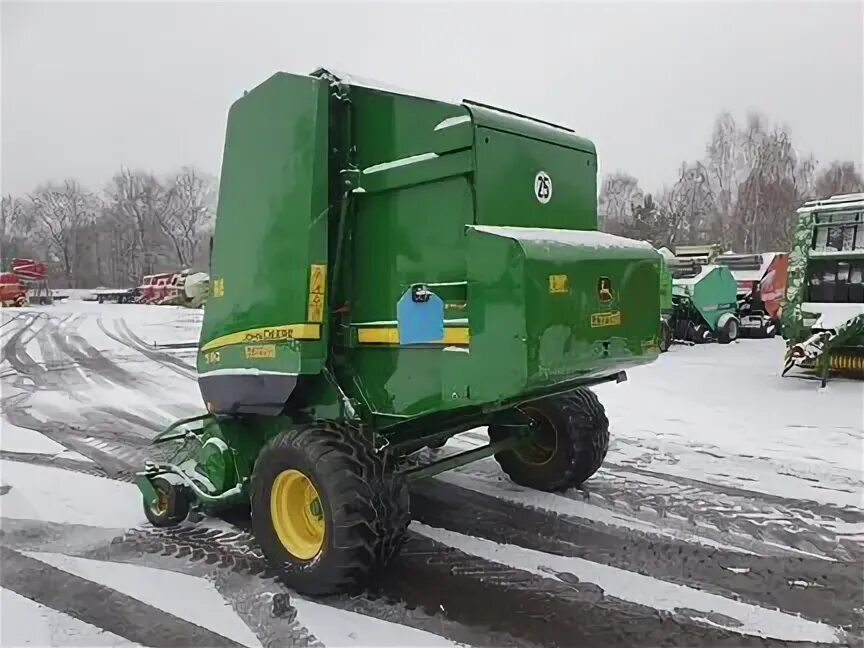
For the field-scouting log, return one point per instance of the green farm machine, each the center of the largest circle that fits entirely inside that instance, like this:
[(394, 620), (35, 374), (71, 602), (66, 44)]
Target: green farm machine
[(823, 315), (388, 271), (698, 298)]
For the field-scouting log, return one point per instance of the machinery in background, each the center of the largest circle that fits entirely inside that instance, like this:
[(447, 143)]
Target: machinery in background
[(704, 305), (27, 282), (184, 288), (667, 306), (13, 292), (823, 316), (761, 280)]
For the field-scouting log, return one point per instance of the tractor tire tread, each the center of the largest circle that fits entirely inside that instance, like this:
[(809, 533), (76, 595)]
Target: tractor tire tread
[(366, 503), (583, 420)]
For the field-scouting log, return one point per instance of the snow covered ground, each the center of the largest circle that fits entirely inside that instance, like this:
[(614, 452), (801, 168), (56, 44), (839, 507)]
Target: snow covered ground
[(729, 511)]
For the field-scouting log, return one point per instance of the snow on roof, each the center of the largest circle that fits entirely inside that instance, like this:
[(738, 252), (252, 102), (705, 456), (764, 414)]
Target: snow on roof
[(374, 84), (452, 121), (584, 238), (413, 159), (689, 281), (834, 203)]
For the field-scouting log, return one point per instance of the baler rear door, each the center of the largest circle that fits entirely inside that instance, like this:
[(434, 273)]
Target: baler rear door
[(265, 322), (547, 306)]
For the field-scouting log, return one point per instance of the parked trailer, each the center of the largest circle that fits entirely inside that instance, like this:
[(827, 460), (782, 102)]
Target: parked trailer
[(121, 295), (389, 271), (823, 317)]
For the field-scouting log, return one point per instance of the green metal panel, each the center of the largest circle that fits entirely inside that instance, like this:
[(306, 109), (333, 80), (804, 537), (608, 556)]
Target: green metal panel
[(713, 292), (271, 228), (550, 305), (665, 286), (418, 175), (507, 166)]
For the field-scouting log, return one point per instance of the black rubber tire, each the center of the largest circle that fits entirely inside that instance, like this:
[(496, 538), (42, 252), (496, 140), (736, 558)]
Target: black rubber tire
[(177, 505), (582, 441), (730, 331), (366, 507), (665, 336)]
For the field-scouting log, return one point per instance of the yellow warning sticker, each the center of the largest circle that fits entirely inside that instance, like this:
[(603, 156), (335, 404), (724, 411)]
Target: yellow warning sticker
[(317, 288), (219, 287), (599, 320), (559, 283), (260, 351)]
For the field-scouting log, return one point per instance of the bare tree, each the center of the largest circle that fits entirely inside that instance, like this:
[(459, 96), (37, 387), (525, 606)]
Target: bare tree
[(686, 208), (618, 197), (16, 227), (838, 178), (140, 202), (191, 206), (61, 213)]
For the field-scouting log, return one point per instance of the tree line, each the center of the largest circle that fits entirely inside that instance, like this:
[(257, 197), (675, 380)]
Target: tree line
[(137, 225), (742, 194)]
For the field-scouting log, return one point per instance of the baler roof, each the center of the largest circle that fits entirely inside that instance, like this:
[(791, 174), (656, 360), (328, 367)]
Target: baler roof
[(481, 114)]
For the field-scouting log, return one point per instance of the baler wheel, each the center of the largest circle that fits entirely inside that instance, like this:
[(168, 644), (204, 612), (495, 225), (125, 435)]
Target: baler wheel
[(570, 441), (729, 331), (172, 504), (326, 509)]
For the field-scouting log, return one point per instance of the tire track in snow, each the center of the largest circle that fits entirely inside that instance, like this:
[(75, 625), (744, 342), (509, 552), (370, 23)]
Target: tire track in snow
[(101, 606), (441, 581), (89, 360), (128, 339), (760, 580), (809, 527), (14, 351), (763, 523)]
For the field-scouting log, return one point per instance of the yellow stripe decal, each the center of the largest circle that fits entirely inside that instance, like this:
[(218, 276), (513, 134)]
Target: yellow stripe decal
[(390, 335), (281, 333)]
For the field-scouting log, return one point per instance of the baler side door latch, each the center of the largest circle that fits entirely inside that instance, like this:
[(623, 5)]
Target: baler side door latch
[(420, 293)]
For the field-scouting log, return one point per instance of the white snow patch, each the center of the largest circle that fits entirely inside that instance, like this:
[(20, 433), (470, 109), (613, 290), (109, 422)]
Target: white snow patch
[(452, 121), (60, 496), (643, 590), (188, 597), (386, 166), (18, 439), (27, 623), (337, 628), (738, 570), (737, 422), (583, 238)]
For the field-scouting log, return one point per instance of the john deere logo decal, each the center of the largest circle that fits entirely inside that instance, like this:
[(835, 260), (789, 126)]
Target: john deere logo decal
[(604, 290), (543, 187)]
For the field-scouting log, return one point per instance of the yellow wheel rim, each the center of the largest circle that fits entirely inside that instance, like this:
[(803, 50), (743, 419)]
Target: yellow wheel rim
[(297, 514), (543, 443)]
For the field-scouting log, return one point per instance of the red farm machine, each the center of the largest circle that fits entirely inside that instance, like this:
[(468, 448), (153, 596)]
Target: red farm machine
[(26, 282)]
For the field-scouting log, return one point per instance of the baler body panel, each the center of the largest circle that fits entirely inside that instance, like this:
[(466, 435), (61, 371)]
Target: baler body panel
[(713, 293), (548, 305), (265, 319), (444, 197)]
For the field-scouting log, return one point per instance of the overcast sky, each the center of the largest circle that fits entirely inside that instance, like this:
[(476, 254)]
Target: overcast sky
[(88, 87)]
